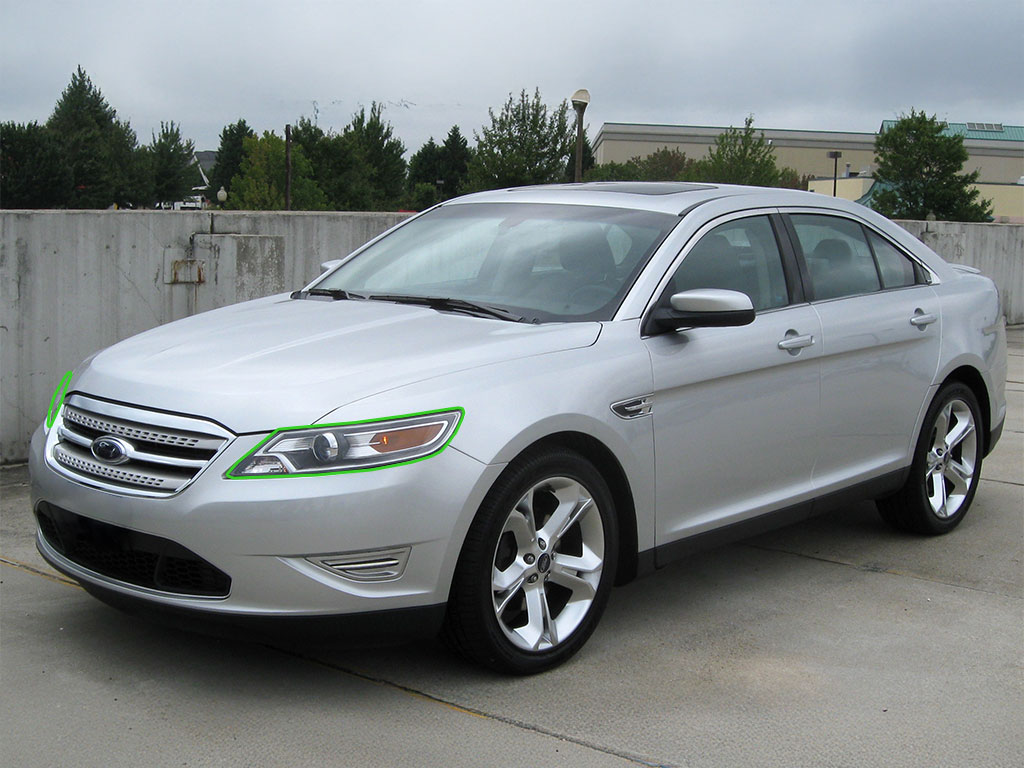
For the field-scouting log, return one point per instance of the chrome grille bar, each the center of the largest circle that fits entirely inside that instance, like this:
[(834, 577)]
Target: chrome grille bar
[(160, 453), (110, 426), (76, 460)]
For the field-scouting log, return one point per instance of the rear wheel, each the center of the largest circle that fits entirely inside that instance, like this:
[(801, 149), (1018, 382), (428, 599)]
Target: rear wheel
[(537, 565), (947, 467)]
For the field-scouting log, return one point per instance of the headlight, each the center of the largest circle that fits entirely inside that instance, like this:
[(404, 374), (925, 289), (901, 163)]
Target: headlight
[(330, 448)]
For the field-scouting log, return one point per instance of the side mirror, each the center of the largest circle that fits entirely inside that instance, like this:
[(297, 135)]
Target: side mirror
[(702, 308), (327, 266)]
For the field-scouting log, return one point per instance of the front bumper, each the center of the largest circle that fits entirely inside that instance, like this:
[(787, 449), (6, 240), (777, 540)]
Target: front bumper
[(268, 534)]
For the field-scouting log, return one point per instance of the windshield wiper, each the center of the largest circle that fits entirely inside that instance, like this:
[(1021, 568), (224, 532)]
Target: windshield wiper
[(334, 293), (445, 304)]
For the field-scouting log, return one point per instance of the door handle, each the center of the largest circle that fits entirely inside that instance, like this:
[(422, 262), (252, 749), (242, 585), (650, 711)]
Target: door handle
[(922, 320), (796, 343)]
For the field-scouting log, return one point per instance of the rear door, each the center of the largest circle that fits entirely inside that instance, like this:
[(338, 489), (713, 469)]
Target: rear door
[(880, 334)]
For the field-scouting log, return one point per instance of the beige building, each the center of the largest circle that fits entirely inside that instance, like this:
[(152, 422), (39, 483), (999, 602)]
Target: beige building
[(996, 150), (1007, 199), (804, 151)]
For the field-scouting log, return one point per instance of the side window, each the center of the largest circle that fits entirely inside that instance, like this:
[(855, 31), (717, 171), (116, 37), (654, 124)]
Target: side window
[(837, 255), (896, 269), (741, 255)]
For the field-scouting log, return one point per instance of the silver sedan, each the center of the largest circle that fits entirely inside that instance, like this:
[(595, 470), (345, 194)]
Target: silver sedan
[(486, 417)]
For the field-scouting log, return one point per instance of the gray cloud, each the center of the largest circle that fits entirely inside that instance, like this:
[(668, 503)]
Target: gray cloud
[(793, 63)]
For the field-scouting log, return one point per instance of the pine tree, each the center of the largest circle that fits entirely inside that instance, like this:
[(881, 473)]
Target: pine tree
[(455, 158), (100, 150), (229, 155), (171, 164), (33, 171)]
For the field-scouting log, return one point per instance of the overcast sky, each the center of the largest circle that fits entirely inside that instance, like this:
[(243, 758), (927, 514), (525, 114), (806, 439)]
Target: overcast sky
[(792, 63)]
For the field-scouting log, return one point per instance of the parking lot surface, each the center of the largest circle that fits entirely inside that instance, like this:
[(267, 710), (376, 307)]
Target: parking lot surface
[(835, 642)]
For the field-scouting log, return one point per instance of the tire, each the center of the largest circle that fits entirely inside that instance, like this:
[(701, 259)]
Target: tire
[(946, 470), (537, 565)]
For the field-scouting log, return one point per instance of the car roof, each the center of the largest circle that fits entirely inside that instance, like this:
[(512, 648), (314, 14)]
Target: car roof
[(681, 198), (665, 197)]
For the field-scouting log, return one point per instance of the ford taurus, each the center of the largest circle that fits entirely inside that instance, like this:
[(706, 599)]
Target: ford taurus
[(483, 419)]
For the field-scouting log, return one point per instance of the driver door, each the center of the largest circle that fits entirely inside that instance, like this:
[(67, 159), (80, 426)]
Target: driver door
[(735, 409)]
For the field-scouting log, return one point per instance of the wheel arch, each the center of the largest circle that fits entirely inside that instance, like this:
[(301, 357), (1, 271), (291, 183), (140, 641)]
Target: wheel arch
[(598, 454), (971, 378)]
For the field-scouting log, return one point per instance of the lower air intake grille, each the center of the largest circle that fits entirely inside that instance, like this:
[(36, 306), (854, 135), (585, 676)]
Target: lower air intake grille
[(130, 556)]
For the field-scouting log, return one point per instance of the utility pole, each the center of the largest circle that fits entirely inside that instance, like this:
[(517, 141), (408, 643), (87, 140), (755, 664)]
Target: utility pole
[(288, 167)]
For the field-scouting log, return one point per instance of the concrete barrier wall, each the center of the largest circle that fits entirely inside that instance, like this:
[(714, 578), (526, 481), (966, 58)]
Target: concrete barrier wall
[(996, 249), (74, 282)]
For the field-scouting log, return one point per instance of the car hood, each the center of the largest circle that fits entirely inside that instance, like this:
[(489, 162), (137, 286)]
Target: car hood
[(279, 362)]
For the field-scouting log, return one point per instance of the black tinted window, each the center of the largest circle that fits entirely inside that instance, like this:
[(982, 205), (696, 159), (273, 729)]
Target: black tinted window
[(837, 256), (896, 268), (740, 255)]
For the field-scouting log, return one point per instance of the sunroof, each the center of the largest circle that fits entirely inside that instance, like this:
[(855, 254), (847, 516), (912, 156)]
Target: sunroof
[(632, 187)]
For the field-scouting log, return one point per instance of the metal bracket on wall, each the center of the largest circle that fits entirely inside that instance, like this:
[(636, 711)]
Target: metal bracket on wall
[(180, 267)]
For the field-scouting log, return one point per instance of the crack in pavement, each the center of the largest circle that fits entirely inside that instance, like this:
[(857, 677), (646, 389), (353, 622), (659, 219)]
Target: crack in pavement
[(612, 752), (635, 759), (881, 569)]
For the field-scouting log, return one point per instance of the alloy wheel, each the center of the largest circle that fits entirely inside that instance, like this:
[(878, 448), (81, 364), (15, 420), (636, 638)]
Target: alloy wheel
[(547, 564), (952, 458)]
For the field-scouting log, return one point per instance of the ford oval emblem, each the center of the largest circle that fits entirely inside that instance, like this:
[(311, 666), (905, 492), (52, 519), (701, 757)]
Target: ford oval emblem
[(112, 450)]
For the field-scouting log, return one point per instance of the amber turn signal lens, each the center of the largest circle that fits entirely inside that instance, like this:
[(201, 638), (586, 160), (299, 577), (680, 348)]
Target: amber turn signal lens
[(401, 439)]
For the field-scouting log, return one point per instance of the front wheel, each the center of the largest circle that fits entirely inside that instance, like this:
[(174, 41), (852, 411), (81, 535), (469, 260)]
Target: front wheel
[(946, 469), (537, 566)]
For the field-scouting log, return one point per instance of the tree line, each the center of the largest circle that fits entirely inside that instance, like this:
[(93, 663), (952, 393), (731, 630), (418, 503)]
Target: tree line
[(84, 156)]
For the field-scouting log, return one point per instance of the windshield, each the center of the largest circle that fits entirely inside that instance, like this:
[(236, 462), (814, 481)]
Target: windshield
[(542, 262)]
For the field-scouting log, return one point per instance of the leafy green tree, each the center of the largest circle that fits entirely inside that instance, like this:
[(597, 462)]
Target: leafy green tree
[(918, 168), (100, 149), (613, 171), (171, 164), (33, 172), (362, 167), (526, 143), (339, 166), (229, 155), (260, 182), (739, 157), (664, 164), (421, 197), (790, 178)]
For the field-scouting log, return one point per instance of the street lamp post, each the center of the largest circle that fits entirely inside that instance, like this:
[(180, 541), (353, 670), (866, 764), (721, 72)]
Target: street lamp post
[(580, 99), (835, 155)]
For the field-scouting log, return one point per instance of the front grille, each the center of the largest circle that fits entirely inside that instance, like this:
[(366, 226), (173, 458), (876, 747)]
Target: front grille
[(162, 452), (130, 556)]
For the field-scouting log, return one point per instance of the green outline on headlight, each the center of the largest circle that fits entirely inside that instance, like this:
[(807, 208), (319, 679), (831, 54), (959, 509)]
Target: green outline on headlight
[(58, 399), (229, 475)]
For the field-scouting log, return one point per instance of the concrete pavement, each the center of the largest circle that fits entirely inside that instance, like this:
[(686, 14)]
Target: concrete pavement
[(835, 642)]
